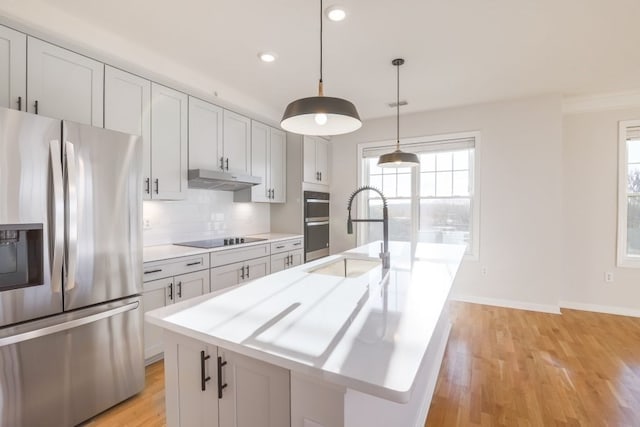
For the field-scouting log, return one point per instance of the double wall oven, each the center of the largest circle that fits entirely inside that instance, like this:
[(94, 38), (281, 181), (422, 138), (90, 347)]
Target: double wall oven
[(316, 225)]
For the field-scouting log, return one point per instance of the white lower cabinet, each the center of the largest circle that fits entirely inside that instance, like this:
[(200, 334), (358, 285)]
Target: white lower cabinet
[(231, 267), (173, 287), (286, 254), (210, 386), (239, 272)]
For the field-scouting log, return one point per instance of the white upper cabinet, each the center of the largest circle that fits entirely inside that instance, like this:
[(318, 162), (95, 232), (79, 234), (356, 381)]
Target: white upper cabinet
[(236, 143), (316, 158), (169, 143), (127, 108), (63, 84), (205, 135), (260, 136), (13, 69), (268, 161), (278, 165)]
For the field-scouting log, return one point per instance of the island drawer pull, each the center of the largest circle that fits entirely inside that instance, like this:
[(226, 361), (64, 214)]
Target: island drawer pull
[(194, 263), (171, 291), (179, 289), (158, 270), (280, 247), (242, 274), (297, 243), (220, 385), (203, 378)]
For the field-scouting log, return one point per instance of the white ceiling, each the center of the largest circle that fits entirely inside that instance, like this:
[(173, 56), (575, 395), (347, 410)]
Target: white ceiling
[(457, 52)]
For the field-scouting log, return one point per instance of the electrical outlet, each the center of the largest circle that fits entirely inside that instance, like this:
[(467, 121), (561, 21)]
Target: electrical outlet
[(483, 270), (608, 277), (146, 223)]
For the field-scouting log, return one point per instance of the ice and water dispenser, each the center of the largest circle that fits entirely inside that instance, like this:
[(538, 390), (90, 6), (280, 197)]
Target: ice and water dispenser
[(20, 256)]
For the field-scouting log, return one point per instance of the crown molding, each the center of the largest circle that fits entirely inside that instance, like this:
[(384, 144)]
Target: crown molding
[(601, 102)]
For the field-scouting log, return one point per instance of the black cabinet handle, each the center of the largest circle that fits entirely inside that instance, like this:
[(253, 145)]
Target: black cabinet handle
[(280, 247), (19, 103), (194, 263), (171, 291), (291, 256), (147, 185), (158, 270), (242, 274), (220, 385), (297, 244), (35, 105), (320, 175), (286, 263), (227, 162), (203, 377), (247, 271), (157, 181), (179, 289), (222, 163)]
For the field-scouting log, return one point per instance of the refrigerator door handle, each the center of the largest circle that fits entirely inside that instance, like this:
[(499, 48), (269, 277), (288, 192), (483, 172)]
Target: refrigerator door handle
[(64, 326), (57, 236), (72, 216)]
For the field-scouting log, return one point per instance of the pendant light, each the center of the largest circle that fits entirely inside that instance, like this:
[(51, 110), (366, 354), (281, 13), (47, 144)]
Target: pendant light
[(398, 159), (320, 115)]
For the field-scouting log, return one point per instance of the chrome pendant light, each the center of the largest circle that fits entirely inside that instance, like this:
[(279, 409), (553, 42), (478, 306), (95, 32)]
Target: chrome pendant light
[(398, 158), (320, 115)]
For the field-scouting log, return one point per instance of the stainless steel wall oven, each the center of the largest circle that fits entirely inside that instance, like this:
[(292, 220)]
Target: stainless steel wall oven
[(316, 225)]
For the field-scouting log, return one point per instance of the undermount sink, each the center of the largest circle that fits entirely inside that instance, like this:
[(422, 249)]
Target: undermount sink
[(347, 267)]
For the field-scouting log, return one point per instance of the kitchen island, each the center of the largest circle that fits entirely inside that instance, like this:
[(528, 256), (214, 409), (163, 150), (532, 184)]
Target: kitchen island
[(335, 342)]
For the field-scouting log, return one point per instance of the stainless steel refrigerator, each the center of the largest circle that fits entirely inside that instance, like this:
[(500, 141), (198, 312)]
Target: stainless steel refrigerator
[(70, 270)]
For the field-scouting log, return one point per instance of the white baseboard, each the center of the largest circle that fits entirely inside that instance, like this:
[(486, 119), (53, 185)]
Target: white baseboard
[(620, 311), (520, 305)]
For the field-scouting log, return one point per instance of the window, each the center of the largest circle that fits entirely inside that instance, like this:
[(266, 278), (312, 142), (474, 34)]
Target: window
[(434, 203), (629, 194)]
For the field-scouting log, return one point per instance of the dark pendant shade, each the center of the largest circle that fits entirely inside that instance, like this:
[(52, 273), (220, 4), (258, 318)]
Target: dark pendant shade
[(340, 116), (398, 159)]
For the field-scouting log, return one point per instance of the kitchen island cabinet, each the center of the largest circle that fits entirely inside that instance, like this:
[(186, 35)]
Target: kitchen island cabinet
[(364, 349), (209, 386)]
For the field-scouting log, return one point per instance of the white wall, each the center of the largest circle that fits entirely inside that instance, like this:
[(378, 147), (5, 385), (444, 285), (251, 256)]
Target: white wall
[(521, 211), (590, 224), (204, 214)]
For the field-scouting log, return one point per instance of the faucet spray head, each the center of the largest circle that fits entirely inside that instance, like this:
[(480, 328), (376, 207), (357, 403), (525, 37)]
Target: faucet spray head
[(349, 224)]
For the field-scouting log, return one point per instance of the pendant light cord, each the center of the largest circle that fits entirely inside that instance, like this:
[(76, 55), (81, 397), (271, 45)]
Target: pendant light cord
[(398, 108), (320, 84)]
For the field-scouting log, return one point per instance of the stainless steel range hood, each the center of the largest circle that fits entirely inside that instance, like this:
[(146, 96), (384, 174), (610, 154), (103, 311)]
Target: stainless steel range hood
[(219, 180)]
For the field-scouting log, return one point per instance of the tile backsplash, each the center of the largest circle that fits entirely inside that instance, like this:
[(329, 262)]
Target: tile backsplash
[(204, 214)]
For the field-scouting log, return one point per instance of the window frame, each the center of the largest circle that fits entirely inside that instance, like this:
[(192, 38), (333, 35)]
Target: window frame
[(441, 139), (623, 258)]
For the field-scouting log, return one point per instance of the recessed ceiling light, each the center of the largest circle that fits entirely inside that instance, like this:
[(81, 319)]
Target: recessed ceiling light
[(267, 56), (336, 13)]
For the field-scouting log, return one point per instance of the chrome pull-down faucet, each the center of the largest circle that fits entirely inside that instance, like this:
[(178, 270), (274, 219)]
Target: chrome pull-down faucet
[(384, 254)]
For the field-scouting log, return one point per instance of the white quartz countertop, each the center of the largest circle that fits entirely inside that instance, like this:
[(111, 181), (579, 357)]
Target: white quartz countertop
[(162, 252), (366, 333)]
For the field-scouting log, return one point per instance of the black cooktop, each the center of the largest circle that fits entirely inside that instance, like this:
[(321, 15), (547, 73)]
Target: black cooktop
[(216, 243)]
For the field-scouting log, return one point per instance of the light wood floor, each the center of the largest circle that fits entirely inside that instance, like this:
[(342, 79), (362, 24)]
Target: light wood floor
[(506, 367), (502, 367)]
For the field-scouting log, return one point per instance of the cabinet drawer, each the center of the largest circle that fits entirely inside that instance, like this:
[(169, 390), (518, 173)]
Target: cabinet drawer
[(174, 266), (286, 245), (230, 256)]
